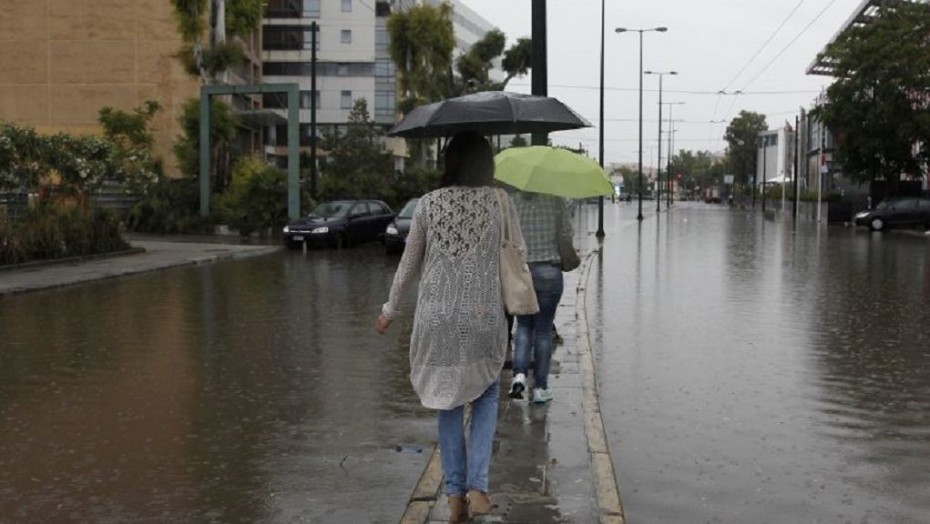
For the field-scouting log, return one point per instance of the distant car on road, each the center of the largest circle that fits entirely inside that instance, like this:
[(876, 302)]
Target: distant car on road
[(340, 223), (897, 212), (395, 236)]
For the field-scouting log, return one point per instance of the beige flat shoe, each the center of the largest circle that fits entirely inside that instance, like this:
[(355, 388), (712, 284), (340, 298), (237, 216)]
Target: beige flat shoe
[(458, 509), (478, 503)]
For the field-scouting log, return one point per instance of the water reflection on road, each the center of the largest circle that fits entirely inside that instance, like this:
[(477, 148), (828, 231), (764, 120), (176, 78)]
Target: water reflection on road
[(752, 371), (253, 390)]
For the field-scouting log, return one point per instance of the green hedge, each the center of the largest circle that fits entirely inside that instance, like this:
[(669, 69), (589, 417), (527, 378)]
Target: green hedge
[(52, 231)]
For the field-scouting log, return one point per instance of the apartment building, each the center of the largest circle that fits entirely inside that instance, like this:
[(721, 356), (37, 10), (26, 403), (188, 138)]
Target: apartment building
[(352, 58)]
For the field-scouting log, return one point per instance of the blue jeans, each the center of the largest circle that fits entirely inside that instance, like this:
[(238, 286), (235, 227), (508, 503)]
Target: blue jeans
[(536, 330), (466, 467)]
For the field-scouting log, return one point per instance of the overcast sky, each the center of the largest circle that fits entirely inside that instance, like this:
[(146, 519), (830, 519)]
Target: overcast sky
[(710, 43)]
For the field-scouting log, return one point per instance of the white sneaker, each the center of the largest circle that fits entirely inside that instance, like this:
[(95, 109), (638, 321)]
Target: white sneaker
[(517, 386), (541, 396)]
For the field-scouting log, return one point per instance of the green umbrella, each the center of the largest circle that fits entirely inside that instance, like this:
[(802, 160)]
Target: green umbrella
[(553, 171)]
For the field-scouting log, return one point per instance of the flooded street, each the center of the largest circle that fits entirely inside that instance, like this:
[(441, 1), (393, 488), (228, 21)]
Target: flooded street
[(253, 390), (751, 371)]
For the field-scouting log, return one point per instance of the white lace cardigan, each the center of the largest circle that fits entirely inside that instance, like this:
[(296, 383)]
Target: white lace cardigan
[(459, 338)]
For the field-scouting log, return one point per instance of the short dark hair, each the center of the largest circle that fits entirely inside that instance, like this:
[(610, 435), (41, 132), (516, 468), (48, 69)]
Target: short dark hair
[(469, 161)]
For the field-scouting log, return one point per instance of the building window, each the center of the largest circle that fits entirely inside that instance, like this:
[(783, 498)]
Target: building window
[(356, 69), (345, 36), (288, 38), (346, 6), (345, 100), (311, 8), (305, 99)]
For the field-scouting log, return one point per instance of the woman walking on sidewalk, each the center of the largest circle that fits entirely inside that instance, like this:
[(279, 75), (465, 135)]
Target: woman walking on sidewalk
[(543, 220), (459, 338)]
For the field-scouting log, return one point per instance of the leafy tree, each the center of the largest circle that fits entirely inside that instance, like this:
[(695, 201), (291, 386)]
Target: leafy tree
[(517, 60), (357, 165), (474, 66), (701, 167), (518, 141), (223, 123), (132, 137), (421, 47), (742, 135), (879, 105)]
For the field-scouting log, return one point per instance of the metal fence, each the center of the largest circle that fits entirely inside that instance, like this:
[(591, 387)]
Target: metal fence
[(15, 206)]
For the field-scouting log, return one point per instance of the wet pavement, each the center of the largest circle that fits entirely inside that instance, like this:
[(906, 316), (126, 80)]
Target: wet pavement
[(754, 371), (252, 389), (747, 371)]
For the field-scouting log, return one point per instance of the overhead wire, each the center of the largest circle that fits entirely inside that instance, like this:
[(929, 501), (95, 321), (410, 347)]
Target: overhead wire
[(791, 43), (764, 44)]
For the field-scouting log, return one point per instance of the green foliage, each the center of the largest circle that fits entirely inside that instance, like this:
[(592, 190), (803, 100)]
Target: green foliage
[(222, 56), (699, 165), (243, 16), (170, 206), (129, 130), (21, 151), (357, 164), (517, 60), (223, 130), (421, 46), (81, 163), (473, 66), (742, 135), (132, 137), (58, 229), (415, 182), (256, 199), (518, 141), (191, 17), (879, 103)]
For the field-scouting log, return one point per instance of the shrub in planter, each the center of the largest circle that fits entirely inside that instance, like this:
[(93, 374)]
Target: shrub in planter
[(256, 198)]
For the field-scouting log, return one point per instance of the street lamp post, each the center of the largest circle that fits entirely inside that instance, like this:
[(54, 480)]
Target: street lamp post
[(640, 31), (671, 146), (600, 127), (660, 74)]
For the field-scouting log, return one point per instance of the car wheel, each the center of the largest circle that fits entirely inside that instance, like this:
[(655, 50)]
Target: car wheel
[(342, 241), (876, 224)]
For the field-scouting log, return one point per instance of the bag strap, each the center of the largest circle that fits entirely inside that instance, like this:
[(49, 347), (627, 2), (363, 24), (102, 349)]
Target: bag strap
[(505, 215)]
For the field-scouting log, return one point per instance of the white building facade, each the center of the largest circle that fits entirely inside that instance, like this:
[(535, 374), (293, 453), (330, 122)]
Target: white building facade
[(353, 61)]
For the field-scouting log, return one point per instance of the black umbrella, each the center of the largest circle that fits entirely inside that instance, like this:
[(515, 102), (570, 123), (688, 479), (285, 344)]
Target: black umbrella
[(489, 113)]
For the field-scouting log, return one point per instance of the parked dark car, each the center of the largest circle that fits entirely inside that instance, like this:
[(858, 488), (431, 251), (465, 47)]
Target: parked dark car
[(897, 212), (395, 236), (341, 223)]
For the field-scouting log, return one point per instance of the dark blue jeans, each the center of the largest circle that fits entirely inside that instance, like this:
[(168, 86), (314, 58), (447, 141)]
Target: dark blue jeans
[(536, 330)]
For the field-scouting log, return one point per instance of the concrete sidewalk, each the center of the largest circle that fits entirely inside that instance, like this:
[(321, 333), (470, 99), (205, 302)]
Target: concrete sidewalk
[(550, 462), (157, 254)]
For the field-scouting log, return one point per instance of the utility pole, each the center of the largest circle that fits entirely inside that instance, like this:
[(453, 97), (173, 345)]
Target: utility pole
[(314, 29), (600, 127), (538, 62), (797, 166)]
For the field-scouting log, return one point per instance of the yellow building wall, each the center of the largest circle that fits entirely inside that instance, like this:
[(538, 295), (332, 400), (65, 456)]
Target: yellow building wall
[(61, 61)]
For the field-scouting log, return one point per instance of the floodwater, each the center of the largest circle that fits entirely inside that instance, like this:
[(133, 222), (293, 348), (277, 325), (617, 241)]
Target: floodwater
[(755, 371), (240, 391)]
